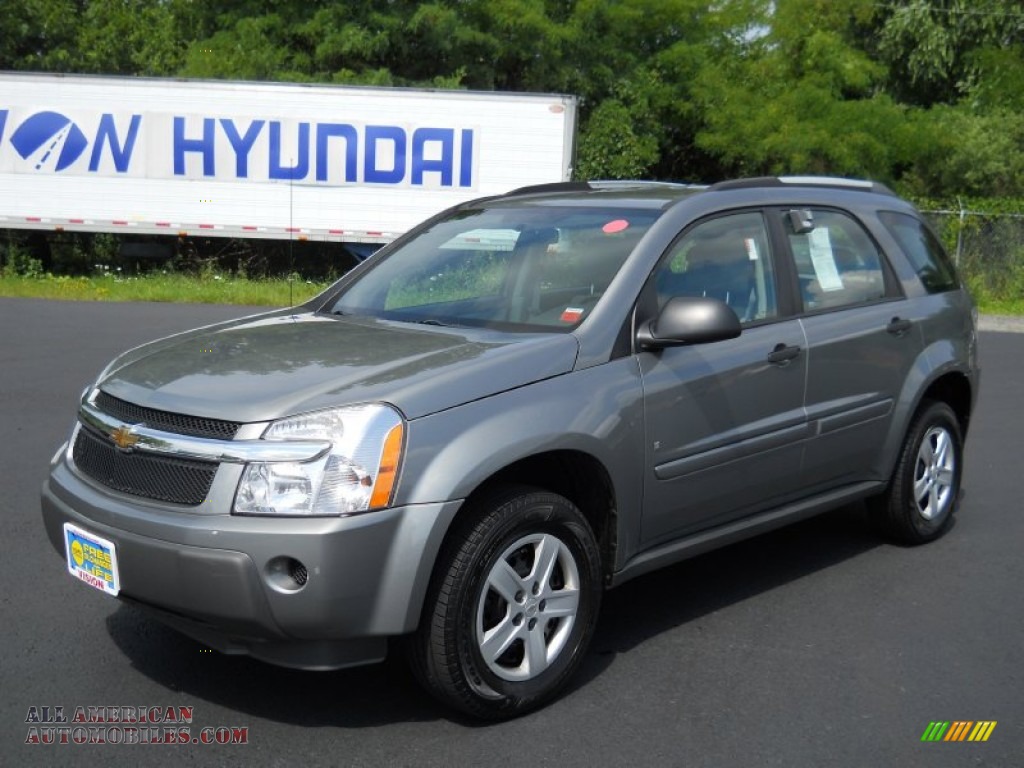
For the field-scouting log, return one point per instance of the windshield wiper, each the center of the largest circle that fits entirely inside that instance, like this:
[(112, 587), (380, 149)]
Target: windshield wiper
[(435, 321)]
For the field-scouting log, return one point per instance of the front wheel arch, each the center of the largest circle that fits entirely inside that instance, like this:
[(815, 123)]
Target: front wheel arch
[(495, 639)]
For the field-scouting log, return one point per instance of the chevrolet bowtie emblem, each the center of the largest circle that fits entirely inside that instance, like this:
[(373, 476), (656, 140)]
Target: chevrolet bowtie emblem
[(124, 438)]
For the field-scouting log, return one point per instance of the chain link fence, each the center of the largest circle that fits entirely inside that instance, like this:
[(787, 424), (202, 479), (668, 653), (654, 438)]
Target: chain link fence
[(988, 249)]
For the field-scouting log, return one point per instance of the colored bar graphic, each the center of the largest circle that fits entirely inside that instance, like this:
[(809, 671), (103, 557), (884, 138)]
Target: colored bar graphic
[(958, 730), (982, 730)]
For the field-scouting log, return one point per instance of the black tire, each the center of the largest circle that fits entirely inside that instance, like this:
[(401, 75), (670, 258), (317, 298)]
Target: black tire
[(924, 491), (543, 625)]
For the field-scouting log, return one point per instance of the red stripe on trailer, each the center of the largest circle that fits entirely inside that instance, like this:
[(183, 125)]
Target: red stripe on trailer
[(33, 218), (292, 229), (163, 223), (120, 223), (375, 234), (206, 226), (248, 228), (76, 221)]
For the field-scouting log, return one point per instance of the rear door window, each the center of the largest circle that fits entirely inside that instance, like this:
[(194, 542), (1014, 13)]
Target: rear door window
[(923, 250), (837, 263)]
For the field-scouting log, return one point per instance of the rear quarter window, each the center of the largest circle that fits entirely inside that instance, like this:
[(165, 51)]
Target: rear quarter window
[(923, 250)]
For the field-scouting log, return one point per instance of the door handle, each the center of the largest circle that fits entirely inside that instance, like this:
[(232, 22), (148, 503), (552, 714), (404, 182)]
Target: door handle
[(898, 326), (782, 354)]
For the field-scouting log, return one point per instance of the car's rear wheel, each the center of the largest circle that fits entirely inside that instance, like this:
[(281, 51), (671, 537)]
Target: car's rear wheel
[(512, 605), (925, 488)]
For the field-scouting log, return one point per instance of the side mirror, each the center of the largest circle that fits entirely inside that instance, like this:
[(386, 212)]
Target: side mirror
[(802, 222), (689, 320)]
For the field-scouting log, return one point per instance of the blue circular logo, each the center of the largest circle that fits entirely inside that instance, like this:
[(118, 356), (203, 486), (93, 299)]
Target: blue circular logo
[(50, 131)]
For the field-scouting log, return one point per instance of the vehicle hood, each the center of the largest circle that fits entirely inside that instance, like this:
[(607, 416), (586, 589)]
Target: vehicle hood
[(263, 368)]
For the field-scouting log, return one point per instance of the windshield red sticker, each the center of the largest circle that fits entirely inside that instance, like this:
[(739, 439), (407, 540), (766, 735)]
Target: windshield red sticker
[(571, 315), (617, 225)]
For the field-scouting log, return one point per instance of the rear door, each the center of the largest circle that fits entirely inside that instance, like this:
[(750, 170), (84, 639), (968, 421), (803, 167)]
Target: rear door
[(862, 340), (725, 422)]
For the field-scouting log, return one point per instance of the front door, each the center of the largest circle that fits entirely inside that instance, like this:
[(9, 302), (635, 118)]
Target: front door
[(725, 421)]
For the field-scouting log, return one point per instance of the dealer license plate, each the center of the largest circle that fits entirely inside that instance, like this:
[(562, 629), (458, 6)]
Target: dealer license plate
[(91, 559)]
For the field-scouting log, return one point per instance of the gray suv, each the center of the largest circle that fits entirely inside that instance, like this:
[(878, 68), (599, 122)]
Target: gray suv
[(524, 401)]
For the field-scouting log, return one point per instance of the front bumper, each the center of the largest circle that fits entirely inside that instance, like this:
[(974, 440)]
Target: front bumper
[(212, 576)]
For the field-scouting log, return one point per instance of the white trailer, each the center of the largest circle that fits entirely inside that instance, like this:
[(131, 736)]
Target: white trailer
[(263, 160)]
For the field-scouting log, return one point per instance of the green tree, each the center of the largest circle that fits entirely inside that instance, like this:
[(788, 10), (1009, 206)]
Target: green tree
[(940, 51), (805, 99), (38, 34), (636, 66), (925, 94), (125, 37)]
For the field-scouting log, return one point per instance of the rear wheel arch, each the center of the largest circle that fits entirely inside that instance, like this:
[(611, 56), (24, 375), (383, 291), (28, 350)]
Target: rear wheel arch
[(923, 493), (953, 389), (948, 387), (925, 384)]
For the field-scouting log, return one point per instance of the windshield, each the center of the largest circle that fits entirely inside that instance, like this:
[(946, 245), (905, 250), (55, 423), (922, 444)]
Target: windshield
[(514, 268)]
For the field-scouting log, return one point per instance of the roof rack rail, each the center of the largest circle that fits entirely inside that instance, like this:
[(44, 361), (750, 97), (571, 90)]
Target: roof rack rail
[(634, 183), (556, 186), (598, 184), (835, 182)]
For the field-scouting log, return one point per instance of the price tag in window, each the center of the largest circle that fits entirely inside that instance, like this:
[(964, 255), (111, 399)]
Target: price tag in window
[(751, 247), (824, 260)]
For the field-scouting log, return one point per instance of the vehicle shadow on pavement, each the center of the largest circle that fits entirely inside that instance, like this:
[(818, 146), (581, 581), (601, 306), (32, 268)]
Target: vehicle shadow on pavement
[(670, 597), (361, 696), (388, 693)]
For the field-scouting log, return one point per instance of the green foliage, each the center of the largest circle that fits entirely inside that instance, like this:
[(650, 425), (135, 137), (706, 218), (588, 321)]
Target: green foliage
[(805, 101), (177, 288), (17, 261), (970, 154), (925, 94), (610, 147), (130, 37), (935, 49)]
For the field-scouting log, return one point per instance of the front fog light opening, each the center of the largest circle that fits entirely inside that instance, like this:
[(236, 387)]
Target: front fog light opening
[(287, 574)]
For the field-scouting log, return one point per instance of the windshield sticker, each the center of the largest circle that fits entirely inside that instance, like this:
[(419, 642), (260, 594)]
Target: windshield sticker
[(616, 225), (571, 315), (751, 248), (483, 240), (824, 260)]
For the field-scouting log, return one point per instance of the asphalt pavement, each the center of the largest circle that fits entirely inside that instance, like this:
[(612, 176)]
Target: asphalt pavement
[(816, 645)]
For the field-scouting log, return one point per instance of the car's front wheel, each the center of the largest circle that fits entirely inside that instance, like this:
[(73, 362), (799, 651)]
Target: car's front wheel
[(923, 494), (512, 605)]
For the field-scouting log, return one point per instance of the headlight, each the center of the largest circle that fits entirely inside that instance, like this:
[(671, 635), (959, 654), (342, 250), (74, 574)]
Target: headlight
[(356, 475)]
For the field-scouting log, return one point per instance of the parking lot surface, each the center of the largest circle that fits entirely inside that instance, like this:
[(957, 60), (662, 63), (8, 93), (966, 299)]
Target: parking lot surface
[(816, 645)]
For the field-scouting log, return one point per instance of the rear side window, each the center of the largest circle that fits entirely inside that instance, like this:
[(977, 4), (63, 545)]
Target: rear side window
[(923, 250), (837, 262)]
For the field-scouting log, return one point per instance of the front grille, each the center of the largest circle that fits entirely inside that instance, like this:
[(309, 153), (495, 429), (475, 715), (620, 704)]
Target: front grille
[(165, 421), (179, 481)]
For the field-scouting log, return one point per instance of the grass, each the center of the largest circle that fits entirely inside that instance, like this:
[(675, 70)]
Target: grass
[(998, 292), (276, 292), (990, 306), (212, 289)]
